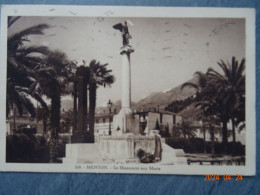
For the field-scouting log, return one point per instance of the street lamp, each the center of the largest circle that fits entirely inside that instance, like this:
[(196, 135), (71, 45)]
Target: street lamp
[(109, 105)]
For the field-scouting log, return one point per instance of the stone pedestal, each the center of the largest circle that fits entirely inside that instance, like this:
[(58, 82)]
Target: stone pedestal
[(123, 149), (171, 156), (110, 149), (82, 153)]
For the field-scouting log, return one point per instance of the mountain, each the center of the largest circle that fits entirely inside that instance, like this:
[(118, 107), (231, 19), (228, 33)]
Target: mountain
[(190, 112), (163, 99), (68, 105)]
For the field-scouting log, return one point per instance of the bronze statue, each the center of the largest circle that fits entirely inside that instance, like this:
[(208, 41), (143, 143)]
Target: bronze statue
[(124, 30)]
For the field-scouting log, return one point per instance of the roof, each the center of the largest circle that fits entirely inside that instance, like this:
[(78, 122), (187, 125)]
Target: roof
[(159, 112)]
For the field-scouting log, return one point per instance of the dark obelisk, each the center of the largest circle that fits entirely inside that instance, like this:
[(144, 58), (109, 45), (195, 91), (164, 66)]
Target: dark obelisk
[(80, 134)]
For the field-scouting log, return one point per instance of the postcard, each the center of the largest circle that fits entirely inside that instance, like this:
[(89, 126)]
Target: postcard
[(140, 90)]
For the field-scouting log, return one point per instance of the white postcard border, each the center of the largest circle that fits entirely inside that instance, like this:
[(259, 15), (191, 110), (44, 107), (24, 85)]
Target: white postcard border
[(111, 11)]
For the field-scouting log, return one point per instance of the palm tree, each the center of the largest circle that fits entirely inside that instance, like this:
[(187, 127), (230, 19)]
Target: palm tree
[(99, 76), (229, 92), (199, 86), (21, 62), (185, 128), (53, 77), (209, 119)]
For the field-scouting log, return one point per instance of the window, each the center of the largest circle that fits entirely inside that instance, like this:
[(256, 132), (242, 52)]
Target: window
[(104, 120)]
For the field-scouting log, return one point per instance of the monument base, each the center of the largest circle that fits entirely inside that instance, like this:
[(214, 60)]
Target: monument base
[(123, 149), (111, 149), (171, 156), (125, 111), (82, 153), (125, 122)]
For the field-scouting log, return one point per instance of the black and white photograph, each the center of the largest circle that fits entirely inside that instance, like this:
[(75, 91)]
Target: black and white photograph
[(127, 90)]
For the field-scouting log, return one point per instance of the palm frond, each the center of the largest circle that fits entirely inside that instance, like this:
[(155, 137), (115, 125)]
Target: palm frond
[(16, 40), (109, 80), (241, 67), (226, 68), (12, 20), (202, 79), (24, 51), (189, 84)]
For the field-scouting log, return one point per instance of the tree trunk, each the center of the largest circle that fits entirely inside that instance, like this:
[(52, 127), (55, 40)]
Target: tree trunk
[(14, 120), (212, 139), (204, 136), (44, 121), (85, 106), (55, 125), (92, 107), (75, 104), (233, 129), (55, 114), (224, 135)]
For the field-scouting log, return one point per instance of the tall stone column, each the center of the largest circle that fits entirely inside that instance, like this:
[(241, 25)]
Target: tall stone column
[(126, 78), (122, 119)]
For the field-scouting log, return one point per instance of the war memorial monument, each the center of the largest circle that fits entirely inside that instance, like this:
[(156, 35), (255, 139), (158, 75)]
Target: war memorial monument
[(126, 143)]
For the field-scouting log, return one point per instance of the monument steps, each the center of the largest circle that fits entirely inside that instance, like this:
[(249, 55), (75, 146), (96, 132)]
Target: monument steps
[(171, 156)]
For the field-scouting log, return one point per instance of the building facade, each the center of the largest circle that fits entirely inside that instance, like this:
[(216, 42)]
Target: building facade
[(199, 132), (145, 121), (15, 123)]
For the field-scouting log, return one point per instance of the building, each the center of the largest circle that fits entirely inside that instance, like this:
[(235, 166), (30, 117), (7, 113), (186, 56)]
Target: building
[(15, 122), (146, 121), (199, 132), (102, 124), (165, 119)]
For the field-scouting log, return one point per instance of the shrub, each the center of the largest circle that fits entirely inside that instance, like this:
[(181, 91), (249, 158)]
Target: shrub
[(191, 145), (26, 148), (196, 145), (31, 148), (58, 147), (235, 149)]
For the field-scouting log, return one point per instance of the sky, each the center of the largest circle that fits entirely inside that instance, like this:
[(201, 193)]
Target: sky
[(167, 50)]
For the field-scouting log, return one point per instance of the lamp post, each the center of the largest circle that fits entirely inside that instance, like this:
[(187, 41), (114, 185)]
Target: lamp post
[(109, 105)]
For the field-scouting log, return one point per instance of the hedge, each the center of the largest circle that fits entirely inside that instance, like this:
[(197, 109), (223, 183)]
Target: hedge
[(29, 148), (196, 145)]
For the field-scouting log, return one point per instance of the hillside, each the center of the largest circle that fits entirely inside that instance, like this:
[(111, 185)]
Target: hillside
[(163, 99), (190, 112)]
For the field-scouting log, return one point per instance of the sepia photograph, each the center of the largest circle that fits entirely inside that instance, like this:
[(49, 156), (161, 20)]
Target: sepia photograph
[(127, 90)]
